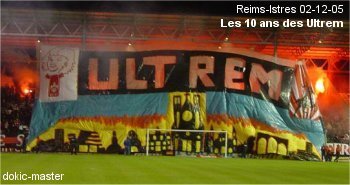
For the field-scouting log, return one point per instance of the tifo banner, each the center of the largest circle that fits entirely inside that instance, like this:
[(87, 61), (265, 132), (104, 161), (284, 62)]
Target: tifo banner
[(58, 73), (257, 101)]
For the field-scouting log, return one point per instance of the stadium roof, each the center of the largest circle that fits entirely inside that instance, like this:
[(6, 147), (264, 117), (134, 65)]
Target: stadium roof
[(168, 25)]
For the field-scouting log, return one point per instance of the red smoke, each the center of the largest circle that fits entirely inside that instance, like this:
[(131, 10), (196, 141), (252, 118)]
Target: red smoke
[(18, 69), (20, 76), (6, 81), (333, 107)]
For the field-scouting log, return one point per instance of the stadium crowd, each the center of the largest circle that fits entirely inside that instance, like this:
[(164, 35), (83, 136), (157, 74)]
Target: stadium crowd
[(334, 138), (16, 110)]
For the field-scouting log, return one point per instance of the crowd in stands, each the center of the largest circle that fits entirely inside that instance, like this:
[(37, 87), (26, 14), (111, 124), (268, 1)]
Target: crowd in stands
[(337, 128), (338, 139), (16, 110)]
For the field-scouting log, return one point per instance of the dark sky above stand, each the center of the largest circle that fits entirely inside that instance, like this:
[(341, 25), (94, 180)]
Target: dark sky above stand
[(209, 8)]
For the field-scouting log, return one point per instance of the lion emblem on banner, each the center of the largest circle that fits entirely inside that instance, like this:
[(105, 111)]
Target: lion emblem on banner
[(57, 63)]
